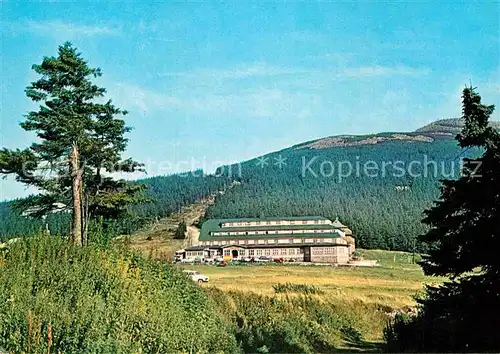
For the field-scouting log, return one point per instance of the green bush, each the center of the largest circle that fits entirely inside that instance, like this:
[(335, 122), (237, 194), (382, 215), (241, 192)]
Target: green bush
[(55, 297), (297, 288), (296, 324)]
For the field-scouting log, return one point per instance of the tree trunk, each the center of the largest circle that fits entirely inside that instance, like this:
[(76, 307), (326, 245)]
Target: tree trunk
[(76, 174), (86, 219)]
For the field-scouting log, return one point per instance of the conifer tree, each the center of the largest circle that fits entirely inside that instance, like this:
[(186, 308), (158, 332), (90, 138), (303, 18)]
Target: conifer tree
[(465, 223), (180, 232), (79, 141), (464, 238)]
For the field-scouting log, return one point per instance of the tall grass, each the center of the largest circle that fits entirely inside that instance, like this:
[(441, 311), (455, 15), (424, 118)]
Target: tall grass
[(55, 297), (297, 288), (297, 323)]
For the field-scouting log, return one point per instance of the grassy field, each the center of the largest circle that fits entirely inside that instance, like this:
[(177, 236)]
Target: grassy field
[(367, 296), (393, 284)]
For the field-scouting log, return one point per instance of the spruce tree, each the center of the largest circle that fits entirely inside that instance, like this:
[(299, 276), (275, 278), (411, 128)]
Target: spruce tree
[(464, 224), (180, 232), (464, 240), (80, 141)]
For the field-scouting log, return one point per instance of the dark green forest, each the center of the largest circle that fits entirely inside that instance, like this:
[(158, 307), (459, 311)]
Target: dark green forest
[(382, 203), (384, 210), (166, 194)]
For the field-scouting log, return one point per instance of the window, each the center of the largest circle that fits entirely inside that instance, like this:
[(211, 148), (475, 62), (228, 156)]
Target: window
[(276, 252), (304, 222), (283, 251), (251, 252), (278, 222), (267, 252), (227, 252), (291, 251), (257, 223), (292, 222), (268, 223), (316, 221), (242, 252), (259, 252)]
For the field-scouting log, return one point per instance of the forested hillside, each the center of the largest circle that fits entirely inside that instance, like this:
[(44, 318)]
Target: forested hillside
[(167, 194), (379, 185), (383, 203)]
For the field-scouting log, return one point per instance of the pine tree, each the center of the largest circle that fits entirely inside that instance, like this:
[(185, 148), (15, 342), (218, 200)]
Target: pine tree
[(180, 232), (465, 223), (79, 140), (464, 238)]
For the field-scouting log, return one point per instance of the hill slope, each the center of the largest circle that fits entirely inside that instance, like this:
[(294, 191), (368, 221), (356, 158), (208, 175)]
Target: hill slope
[(449, 126), (378, 184)]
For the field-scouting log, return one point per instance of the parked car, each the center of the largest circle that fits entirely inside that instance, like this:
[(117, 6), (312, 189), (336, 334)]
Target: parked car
[(263, 259), (196, 276)]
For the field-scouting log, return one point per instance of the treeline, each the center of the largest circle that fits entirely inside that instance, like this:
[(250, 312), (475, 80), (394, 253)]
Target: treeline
[(382, 205), (166, 194), (384, 208)]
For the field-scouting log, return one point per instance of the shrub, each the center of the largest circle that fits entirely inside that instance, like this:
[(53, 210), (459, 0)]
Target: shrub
[(297, 288), (294, 324), (61, 298)]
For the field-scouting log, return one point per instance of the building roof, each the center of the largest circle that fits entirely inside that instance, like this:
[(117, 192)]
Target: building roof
[(195, 248), (272, 218), (214, 225), (272, 236), (337, 223), (252, 228)]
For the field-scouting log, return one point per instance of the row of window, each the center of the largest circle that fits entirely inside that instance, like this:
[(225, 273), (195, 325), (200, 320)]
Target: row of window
[(270, 241), (194, 254), (274, 222), (328, 250), (266, 252), (275, 232)]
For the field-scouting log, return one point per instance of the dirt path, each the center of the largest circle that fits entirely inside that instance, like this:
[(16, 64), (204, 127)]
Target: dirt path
[(192, 235), (157, 240)]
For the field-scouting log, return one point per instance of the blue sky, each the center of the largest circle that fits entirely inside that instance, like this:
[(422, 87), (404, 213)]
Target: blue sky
[(207, 84)]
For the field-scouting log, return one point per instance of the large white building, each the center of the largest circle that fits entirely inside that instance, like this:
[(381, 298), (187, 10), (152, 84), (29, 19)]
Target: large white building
[(306, 239)]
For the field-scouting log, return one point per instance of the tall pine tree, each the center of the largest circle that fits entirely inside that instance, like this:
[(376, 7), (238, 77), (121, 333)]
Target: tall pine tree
[(80, 143), (464, 239)]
